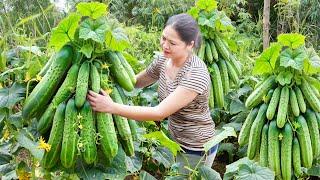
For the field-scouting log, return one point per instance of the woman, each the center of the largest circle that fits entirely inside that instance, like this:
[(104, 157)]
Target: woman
[(184, 84)]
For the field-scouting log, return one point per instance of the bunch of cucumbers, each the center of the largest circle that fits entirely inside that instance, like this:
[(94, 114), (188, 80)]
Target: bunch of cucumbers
[(282, 128), (223, 66), (59, 102)]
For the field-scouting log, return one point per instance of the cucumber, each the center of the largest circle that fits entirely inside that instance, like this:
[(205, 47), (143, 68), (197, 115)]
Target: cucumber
[(255, 132), (209, 56), (201, 51), (283, 107), (286, 152), (63, 94), (123, 126), (82, 84), (300, 98), (233, 74), (88, 134), (305, 142), (224, 76), (217, 86), (296, 158), (222, 49), (256, 96), (274, 148), (51, 158), (245, 130), (108, 135), (119, 72), (127, 67), (309, 95), (235, 64), (214, 50), (46, 67), (294, 103), (313, 127), (95, 79), (69, 148), (211, 97), (268, 96), (264, 147), (41, 95)]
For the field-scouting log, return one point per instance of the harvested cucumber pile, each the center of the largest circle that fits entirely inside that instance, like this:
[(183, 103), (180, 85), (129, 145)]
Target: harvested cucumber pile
[(282, 128), (58, 101), (222, 64)]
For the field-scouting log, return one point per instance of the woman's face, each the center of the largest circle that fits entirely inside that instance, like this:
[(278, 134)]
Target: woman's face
[(172, 45)]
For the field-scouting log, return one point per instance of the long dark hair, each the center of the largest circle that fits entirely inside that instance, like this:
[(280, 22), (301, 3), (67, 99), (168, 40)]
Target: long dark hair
[(186, 27)]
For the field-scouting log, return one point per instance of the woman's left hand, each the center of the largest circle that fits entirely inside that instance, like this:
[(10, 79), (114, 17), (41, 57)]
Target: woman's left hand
[(100, 103)]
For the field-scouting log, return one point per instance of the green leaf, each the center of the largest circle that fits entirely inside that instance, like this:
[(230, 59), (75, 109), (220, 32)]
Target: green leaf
[(227, 131), (207, 5), (284, 77), (164, 141), (194, 12), (312, 62), (314, 170), (10, 96), (92, 9), (65, 31), (87, 50), (93, 29), (27, 143), (118, 169), (267, 60), (116, 39), (293, 58), (146, 176), (207, 173), (254, 172), (33, 49), (293, 40), (224, 23), (163, 156), (236, 106), (134, 164)]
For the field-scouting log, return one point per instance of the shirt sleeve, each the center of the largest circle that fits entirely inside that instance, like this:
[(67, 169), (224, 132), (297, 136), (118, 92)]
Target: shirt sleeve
[(196, 79), (153, 70)]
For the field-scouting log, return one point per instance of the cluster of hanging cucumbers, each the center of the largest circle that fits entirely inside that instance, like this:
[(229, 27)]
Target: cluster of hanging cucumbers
[(59, 101), (282, 128)]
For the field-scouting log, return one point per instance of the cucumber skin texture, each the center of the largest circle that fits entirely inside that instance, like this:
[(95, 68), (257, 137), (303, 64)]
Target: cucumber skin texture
[(209, 56), (305, 142), (264, 146), (313, 127), (88, 134), (107, 131), (255, 132), (119, 72), (286, 152), (245, 130), (283, 107), (64, 92), (123, 126), (296, 158), (221, 48), (309, 95), (94, 78), (272, 107), (294, 103), (211, 97), (256, 96), (217, 86), (128, 68), (214, 50), (82, 84), (267, 98), (224, 76), (70, 136), (46, 88), (274, 148), (51, 158), (202, 51), (300, 98), (233, 74)]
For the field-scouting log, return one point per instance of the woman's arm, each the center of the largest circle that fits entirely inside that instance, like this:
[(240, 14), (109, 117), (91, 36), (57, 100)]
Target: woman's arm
[(175, 101), (143, 80)]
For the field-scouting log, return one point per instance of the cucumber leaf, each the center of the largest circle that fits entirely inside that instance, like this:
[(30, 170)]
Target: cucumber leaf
[(93, 29), (87, 50), (292, 40), (194, 12), (92, 9), (254, 172), (12, 95), (284, 77), (227, 131), (164, 141), (267, 60), (312, 62), (293, 58), (207, 5), (65, 31), (116, 39)]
